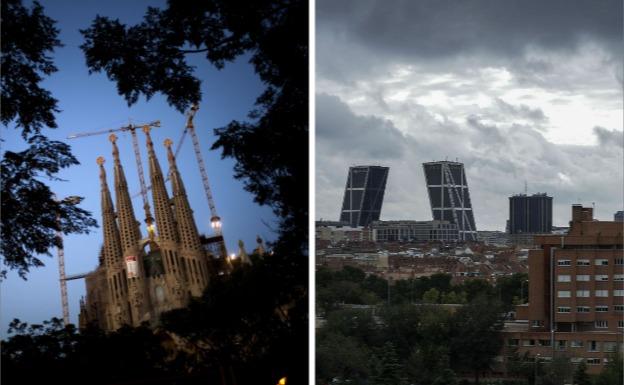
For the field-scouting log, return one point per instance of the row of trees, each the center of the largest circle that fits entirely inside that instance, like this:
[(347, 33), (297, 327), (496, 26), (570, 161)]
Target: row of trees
[(352, 285)]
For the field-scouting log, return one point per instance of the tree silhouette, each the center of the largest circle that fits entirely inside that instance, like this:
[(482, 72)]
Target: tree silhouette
[(28, 205)]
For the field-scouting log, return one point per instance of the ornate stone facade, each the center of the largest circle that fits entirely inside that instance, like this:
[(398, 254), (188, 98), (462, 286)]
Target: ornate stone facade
[(138, 277)]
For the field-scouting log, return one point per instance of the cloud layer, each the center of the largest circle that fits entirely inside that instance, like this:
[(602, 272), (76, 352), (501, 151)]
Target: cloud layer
[(517, 90), (498, 160)]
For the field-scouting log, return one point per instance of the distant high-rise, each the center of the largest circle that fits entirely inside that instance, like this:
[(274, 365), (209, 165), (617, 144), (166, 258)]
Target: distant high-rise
[(618, 216), (530, 214), (363, 195), (449, 196)]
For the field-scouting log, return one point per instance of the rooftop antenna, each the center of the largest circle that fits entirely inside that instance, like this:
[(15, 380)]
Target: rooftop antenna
[(526, 188)]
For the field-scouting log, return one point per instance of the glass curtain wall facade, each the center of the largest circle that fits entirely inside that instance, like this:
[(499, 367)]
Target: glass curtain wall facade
[(449, 196), (530, 214), (364, 194)]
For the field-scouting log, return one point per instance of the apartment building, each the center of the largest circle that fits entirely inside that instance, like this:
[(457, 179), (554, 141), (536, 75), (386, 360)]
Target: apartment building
[(576, 295)]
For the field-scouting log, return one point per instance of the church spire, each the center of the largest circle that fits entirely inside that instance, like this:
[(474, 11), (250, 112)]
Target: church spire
[(176, 270), (162, 209), (128, 225), (187, 229), (117, 315), (112, 242), (130, 238), (191, 252)]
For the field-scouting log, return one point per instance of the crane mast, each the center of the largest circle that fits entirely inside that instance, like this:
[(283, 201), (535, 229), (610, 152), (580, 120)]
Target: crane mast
[(215, 220), (61, 263)]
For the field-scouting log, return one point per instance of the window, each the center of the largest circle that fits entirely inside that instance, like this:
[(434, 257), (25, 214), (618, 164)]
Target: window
[(582, 278), (563, 278), (582, 309), (561, 344), (563, 309), (513, 342), (576, 344), (620, 324), (618, 307), (593, 346), (618, 277), (609, 347), (601, 324), (528, 343), (593, 361), (563, 262), (582, 262), (619, 261), (601, 293), (576, 360), (618, 293), (563, 294), (537, 323), (544, 342), (601, 262), (601, 277), (582, 293), (602, 309)]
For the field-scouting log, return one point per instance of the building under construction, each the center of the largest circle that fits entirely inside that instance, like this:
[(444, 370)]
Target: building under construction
[(140, 276)]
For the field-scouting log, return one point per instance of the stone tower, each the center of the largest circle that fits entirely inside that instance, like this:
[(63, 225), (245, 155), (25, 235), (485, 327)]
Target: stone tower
[(117, 312), (167, 233), (190, 250), (130, 237)]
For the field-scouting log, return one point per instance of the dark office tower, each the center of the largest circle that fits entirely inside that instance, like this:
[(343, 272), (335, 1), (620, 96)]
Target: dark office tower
[(618, 216), (363, 195), (449, 196), (530, 214)]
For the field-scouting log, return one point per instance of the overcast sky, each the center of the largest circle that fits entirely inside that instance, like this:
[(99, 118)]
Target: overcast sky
[(517, 90)]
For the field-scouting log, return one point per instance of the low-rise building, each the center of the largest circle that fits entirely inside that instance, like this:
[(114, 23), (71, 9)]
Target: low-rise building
[(414, 231)]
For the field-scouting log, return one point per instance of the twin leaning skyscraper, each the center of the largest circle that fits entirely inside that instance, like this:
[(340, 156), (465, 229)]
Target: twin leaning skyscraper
[(446, 185)]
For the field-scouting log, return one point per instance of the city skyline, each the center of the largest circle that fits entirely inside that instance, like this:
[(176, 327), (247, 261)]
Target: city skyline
[(545, 107)]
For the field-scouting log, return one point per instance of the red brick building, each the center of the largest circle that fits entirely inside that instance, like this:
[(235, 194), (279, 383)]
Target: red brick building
[(576, 294)]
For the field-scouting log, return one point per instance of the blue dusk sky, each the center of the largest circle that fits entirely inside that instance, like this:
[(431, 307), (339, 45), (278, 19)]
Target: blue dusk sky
[(91, 103)]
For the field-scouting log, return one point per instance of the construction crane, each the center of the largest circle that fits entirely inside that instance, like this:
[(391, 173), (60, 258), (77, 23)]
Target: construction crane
[(215, 221), (61, 262), (149, 220)]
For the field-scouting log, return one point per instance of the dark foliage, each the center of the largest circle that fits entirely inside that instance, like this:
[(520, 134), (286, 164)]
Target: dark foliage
[(251, 323), (52, 353), (29, 209), (476, 337), (247, 328), (28, 38), (271, 148), (429, 344)]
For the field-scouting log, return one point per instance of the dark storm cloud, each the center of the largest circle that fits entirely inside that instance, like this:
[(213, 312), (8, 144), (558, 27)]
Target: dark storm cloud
[(345, 133), (608, 137), (438, 28), (522, 111)]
